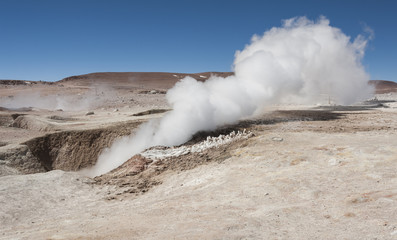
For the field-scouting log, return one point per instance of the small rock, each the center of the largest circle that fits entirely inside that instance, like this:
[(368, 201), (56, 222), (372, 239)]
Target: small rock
[(349, 214), (358, 199), (277, 139), (88, 180), (89, 113), (116, 110), (333, 162)]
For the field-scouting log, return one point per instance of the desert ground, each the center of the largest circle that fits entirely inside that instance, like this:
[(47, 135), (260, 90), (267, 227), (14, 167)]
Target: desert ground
[(292, 172)]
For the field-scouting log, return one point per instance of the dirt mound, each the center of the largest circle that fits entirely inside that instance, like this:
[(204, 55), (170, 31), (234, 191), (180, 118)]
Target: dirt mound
[(139, 174), (133, 166), (145, 170), (33, 123)]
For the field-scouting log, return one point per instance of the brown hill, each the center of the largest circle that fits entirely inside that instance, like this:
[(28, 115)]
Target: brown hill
[(167, 80), (163, 80), (383, 86)]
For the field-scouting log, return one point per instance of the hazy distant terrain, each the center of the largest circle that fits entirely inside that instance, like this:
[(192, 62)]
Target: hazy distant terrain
[(158, 79)]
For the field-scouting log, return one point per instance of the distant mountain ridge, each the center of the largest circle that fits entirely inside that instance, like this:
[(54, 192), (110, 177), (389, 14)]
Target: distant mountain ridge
[(22, 82), (164, 80)]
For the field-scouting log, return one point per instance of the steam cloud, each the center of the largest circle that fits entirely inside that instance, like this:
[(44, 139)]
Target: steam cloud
[(299, 62)]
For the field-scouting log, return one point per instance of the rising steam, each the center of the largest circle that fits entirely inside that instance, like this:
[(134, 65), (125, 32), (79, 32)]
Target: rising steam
[(297, 62), (84, 101)]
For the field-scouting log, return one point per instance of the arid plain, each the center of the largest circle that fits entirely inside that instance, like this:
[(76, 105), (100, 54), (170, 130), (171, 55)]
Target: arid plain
[(293, 172)]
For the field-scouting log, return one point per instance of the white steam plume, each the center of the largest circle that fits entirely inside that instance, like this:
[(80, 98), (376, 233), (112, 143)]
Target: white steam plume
[(296, 62)]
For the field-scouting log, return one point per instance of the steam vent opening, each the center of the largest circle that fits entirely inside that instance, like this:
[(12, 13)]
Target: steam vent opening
[(77, 150)]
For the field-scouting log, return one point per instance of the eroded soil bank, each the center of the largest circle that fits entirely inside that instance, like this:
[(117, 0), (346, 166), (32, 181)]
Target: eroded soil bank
[(55, 149), (74, 150)]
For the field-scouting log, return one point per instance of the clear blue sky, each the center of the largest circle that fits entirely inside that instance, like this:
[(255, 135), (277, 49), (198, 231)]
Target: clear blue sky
[(52, 39)]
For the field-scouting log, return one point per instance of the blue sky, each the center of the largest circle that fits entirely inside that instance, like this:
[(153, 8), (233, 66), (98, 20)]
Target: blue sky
[(52, 39)]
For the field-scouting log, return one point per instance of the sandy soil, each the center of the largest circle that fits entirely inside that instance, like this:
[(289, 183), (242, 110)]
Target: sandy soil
[(308, 173)]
